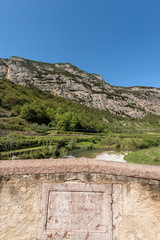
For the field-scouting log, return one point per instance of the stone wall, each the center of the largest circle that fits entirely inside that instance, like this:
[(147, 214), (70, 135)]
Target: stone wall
[(78, 199)]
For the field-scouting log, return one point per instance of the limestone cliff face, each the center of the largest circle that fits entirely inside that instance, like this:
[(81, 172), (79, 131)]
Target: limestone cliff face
[(66, 80)]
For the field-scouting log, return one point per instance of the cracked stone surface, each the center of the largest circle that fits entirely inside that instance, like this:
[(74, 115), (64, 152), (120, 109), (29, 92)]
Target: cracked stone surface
[(70, 190)]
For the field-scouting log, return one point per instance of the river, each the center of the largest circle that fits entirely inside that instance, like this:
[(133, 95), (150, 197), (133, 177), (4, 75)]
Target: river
[(98, 154)]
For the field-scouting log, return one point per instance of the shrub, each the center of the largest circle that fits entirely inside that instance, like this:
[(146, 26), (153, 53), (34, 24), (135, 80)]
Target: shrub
[(71, 144), (91, 146), (148, 142), (39, 128), (2, 125)]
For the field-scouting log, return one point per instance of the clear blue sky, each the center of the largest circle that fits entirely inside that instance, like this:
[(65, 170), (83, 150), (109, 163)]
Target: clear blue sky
[(118, 39)]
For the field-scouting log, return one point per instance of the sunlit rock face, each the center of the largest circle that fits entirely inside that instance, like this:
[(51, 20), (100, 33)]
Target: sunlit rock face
[(66, 80)]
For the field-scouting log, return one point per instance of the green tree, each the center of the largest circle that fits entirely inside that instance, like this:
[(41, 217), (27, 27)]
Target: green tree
[(68, 121), (34, 113)]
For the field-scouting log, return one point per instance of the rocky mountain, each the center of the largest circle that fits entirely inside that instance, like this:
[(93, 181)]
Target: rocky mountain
[(66, 80)]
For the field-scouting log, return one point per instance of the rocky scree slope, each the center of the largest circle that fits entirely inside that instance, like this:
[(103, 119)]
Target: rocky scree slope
[(66, 80)]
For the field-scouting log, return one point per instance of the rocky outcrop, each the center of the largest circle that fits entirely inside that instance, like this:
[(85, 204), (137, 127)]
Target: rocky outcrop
[(66, 80)]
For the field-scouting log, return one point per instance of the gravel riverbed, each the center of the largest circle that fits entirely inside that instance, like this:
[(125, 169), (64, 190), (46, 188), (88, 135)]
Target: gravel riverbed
[(111, 156)]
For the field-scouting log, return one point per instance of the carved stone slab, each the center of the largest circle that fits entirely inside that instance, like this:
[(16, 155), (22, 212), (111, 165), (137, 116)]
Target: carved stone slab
[(76, 211)]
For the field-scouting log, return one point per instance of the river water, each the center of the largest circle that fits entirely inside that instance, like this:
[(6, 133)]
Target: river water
[(98, 154)]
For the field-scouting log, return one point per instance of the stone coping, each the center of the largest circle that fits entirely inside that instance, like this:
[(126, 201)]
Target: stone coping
[(77, 165)]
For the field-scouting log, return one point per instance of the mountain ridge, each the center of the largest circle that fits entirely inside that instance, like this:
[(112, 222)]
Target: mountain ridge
[(68, 81)]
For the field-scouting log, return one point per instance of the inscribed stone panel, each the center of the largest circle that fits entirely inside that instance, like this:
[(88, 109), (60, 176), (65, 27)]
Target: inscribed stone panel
[(76, 211)]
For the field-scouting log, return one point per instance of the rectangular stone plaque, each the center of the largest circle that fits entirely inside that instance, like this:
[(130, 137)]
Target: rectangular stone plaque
[(80, 211), (76, 211)]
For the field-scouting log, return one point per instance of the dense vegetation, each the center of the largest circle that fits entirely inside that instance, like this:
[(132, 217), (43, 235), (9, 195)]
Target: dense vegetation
[(36, 124), (35, 106)]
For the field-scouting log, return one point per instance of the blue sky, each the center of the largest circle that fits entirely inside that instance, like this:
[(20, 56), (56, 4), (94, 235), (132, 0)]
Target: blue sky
[(118, 39)]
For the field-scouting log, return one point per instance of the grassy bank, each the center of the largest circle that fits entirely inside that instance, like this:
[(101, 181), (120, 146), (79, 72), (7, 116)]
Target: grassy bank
[(145, 156)]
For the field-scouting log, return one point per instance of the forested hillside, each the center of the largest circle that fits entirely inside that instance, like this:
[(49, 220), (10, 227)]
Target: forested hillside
[(31, 105), (36, 124)]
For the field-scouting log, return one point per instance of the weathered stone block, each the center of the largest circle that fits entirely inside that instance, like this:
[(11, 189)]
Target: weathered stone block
[(76, 211)]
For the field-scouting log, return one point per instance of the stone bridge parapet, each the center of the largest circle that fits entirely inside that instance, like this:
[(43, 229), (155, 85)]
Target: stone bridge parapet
[(79, 199)]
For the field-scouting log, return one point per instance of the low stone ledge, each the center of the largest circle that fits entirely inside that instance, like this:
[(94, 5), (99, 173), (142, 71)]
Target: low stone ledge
[(47, 166)]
